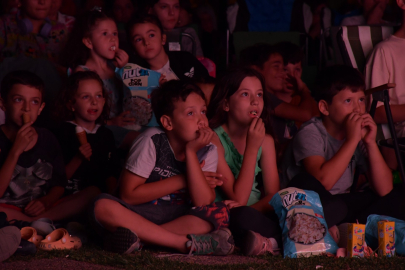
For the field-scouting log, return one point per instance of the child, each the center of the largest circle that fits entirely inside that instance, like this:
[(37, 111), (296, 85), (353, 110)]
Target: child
[(32, 172), (268, 60), (239, 115), (29, 32), (83, 104), (332, 147), (56, 17), (148, 39), (163, 179), (94, 46)]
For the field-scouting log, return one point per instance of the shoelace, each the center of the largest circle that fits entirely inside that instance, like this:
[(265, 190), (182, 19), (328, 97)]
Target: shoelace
[(202, 245)]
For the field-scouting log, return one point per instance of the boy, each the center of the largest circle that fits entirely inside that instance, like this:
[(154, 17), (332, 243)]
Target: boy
[(163, 179), (268, 60), (332, 147), (32, 172)]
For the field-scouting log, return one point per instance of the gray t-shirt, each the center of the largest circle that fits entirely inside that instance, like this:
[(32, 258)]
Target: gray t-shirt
[(152, 157), (313, 140)]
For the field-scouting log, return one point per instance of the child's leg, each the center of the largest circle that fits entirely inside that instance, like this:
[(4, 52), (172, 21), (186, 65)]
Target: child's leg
[(14, 214), (111, 215), (188, 225)]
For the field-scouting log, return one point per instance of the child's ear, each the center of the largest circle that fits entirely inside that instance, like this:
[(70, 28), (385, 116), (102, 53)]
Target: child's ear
[(163, 39), (2, 104), (41, 108), (225, 105), (323, 107), (87, 42), (166, 122)]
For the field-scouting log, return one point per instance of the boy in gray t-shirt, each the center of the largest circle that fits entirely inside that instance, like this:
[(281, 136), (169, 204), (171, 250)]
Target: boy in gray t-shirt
[(330, 148)]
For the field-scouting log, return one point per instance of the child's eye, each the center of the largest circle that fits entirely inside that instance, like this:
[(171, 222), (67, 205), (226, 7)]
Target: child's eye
[(17, 99), (162, 7), (177, 6), (137, 39), (362, 99), (100, 96), (348, 100), (152, 35), (115, 34), (260, 95), (35, 102), (190, 113), (244, 94), (204, 112), (85, 97)]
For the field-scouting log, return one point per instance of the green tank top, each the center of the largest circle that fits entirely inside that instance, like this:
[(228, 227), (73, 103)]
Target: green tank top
[(234, 160)]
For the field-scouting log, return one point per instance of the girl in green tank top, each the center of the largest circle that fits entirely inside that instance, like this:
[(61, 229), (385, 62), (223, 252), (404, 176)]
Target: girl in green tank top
[(240, 116)]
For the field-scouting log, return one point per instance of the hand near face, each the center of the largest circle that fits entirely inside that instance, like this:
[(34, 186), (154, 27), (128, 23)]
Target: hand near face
[(204, 136), (354, 127), (256, 134), (121, 58), (25, 139), (368, 129)]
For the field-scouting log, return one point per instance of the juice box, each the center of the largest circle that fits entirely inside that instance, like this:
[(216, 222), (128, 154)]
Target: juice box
[(355, 240), (386, 238)]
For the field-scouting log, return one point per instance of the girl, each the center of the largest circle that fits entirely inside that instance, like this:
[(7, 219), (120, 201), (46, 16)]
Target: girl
[(148, 40), (239, 115), (94, 46), (83, 104)]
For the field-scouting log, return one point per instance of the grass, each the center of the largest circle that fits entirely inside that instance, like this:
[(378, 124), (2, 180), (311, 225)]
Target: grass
[(146, 260)]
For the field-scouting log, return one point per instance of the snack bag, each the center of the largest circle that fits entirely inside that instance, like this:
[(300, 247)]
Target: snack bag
[(141, 81), (304, 228)]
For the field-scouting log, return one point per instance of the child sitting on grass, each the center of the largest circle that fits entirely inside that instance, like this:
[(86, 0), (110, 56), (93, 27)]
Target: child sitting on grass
[(32, 172), (329, 150), (165, 198)]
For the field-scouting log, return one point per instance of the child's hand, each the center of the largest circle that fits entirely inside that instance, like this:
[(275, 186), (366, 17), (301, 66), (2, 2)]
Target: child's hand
[(121, 58), (368, 129), (214, 179), (231, 204), (25, 139), (204, 135), (256, 134), (354, 127), (162, 79), (34, 208), (122, 120), (86, 151)]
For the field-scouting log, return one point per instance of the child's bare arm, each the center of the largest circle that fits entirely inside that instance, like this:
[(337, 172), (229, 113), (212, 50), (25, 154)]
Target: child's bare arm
[(134, 190), (379, 174), (329, 172), (85, 152), (24, 138), (38, 206), (200, 192)]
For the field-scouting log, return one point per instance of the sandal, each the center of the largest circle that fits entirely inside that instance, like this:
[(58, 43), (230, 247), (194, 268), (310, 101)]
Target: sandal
[(30, 234), (60, 239)]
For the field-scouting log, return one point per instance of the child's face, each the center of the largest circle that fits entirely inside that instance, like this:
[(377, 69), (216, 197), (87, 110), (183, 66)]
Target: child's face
[(103, 39), (167, 12), (22, 99), (292, 70), (344, 103), (123, 10), (36, 9), (274, 73), (188, 116), (89, 102), (147, 40), (247, 102)]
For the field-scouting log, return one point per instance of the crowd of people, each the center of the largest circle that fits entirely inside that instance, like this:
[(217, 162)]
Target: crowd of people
[(200, 180)]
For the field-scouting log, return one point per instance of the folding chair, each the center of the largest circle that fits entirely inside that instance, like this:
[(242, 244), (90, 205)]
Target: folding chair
[(174, 37), (356, 43)]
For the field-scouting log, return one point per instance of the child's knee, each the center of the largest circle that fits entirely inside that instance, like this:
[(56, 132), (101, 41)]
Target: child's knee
[(104, 207)]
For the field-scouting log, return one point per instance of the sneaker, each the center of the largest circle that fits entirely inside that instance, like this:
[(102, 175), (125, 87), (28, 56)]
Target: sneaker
[(255, 244), (219, 242), (19, 223), (10, 238), (123, 241)]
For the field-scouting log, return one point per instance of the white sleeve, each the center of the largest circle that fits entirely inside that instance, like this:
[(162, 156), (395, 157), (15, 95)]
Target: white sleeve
[(141, 157), (211, 160)]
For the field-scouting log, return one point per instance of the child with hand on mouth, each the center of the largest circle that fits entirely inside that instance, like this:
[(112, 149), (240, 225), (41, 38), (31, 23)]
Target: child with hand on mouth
[(94, 46)]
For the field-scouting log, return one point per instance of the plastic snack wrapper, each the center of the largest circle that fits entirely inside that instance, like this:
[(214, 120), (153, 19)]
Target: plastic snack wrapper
[(141, 81), (391, 240), (302, 222)]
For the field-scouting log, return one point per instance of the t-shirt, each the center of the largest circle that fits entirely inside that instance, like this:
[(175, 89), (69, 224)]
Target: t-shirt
[(313, 140), (13, 43), (93, 172), (168, 72), (152, 157), (386, 64), (37, 170)]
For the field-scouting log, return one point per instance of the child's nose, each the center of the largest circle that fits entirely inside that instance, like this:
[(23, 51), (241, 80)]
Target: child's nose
[(171, 11), (27, 106)]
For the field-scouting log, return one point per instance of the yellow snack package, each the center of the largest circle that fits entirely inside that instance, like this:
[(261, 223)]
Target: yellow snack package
[(386, 238), (356, 240)]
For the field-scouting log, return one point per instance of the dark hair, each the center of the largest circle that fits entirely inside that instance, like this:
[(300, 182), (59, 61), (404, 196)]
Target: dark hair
[(75, 52), (333, 79), (291, 53), (67, 95), (164, 97), (226, 87), (23, 77), (142, 18), (257, 55)]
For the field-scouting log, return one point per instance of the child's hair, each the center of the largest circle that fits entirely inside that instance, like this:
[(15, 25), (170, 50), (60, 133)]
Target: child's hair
[(75, 52), (23, 77), (67, 95), (142, 18), (333, 79), (257, 55), (226, 87), (164, 97), (291, 53)]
